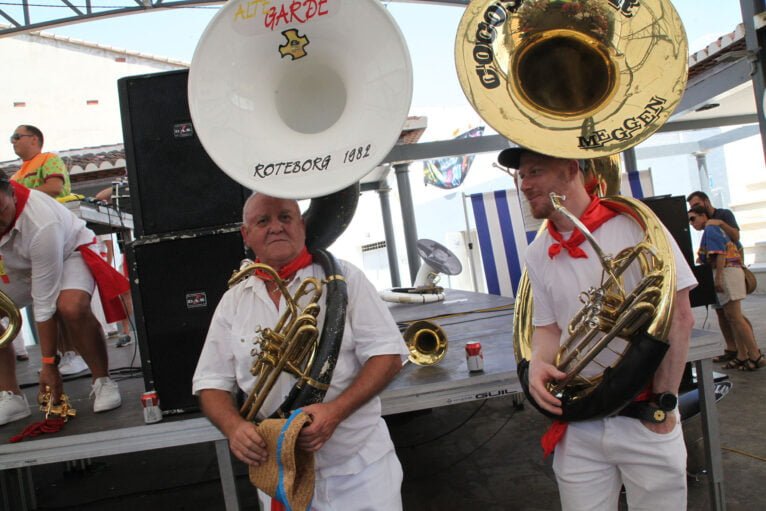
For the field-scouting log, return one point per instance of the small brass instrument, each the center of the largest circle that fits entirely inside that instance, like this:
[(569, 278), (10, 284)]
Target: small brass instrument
[(9, 310), (426, 341), (61, 410)]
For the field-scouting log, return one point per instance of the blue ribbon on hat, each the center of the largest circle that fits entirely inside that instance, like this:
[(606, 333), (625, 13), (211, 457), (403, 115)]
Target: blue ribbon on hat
[(281, 493)]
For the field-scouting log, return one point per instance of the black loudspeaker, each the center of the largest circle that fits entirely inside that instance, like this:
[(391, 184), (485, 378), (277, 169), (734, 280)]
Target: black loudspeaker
[(174, 185), (176, 284), (672, 212)]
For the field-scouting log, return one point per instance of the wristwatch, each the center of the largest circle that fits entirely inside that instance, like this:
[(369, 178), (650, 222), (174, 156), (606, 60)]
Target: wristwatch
[(666, 402), (52, 361)]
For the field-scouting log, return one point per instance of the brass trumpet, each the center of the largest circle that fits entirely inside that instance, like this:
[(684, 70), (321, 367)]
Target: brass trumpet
[(290, 346)]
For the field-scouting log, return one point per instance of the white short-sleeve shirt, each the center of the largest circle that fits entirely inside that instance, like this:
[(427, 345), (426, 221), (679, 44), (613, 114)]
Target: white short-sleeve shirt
[(370, 330), (38, 253), (558, 282)]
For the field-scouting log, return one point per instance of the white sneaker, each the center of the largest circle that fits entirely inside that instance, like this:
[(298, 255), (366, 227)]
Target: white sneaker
[(107, 394), (12, 407), (72, 363), (123, 341)]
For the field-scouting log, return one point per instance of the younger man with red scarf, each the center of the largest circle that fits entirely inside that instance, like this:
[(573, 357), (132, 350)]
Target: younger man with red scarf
[(356, 466), (594, 458), (45, 262)]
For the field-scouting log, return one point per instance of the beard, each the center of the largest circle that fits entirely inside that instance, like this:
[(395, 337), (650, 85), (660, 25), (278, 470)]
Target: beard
[(541, 207)]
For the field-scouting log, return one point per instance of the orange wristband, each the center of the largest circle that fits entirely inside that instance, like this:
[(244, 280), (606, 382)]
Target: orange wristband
[(49, 360)]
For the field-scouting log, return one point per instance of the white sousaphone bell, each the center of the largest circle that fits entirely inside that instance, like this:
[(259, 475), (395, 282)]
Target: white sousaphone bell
[(437, 260), (300, 99)]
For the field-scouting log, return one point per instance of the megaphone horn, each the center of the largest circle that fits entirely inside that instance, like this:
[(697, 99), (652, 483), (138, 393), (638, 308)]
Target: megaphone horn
[(300, 104)]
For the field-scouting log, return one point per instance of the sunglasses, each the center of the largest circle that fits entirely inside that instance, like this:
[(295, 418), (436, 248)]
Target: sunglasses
[(17, 136), (692, 219)]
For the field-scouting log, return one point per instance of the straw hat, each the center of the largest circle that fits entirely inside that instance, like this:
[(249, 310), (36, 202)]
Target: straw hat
[(288, 474)]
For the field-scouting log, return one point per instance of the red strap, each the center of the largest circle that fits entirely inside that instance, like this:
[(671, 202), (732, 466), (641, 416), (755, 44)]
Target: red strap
[(645, 395), (557, 429), (52, 425), (276, 505), (593, 217), (111, 284), (553, 436), (302, 260)]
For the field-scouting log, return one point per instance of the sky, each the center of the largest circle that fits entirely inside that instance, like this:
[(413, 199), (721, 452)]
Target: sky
[(428, 29)]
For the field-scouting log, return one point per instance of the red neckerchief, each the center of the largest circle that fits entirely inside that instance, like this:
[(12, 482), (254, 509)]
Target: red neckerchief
[(22, 195), (593, 217), (300, 261)]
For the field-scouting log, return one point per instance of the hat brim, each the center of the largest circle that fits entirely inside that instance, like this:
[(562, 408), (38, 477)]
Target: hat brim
[(288, 473), (511, 157)]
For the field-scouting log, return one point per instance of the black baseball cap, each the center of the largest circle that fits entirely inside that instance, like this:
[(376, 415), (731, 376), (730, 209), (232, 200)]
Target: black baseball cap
[(511, 157)]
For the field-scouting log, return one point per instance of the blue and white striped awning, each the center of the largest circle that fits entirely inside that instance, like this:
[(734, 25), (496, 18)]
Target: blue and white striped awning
[(504, 236)]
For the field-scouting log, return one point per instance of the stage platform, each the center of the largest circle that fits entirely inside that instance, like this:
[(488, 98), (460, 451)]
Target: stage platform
[(123, 430)]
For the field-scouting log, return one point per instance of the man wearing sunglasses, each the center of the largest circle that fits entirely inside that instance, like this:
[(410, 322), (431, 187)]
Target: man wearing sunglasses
[(41, 171)]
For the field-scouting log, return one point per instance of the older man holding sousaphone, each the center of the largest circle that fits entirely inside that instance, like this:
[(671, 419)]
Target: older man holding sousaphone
[(284, 109), (356, 464)]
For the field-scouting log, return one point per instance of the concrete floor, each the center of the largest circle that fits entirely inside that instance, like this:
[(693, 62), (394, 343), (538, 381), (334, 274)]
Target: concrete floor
[(477, 455)]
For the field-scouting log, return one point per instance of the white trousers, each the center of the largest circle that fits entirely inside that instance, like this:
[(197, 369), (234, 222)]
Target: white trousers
[(595, 458), (376, 488)]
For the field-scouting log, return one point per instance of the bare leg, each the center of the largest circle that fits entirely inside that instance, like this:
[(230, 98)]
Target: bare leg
[(747, 348), (65, 344), (84, 330), (728, 335), (127, 302)]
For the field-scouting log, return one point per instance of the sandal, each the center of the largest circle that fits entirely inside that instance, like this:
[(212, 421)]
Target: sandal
[(753, 365), (735, 363), (727, 355)]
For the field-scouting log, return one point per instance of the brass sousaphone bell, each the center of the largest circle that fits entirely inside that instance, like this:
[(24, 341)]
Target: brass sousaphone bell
[(573, 78), (586, 79)]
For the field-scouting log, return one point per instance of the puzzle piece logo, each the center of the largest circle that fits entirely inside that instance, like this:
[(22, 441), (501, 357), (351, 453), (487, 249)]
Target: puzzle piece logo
[(296, 44)]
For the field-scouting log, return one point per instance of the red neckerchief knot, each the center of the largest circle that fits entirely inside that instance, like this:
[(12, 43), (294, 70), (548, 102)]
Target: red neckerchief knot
[(300, 261), (593, 217), (21, 193)]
